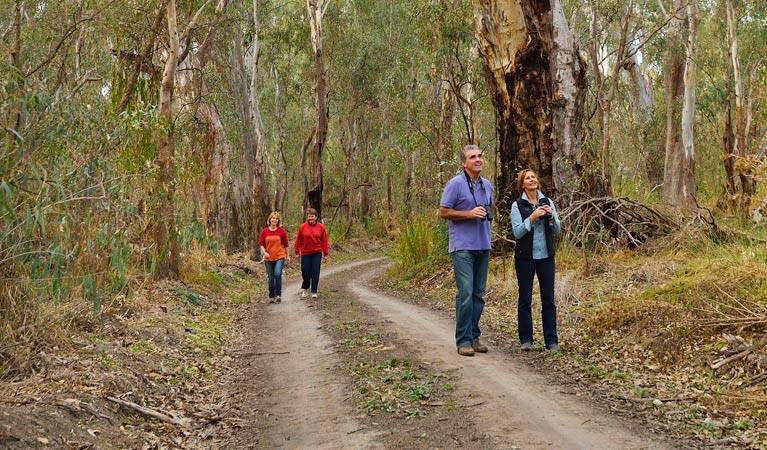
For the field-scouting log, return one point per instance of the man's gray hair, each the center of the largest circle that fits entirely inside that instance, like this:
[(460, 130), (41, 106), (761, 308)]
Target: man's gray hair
[(466, 149)]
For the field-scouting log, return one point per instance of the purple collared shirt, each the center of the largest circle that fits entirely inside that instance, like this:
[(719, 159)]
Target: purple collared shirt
[(470, 234)]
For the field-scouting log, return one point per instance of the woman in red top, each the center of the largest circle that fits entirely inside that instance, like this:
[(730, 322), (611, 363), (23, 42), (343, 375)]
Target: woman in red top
[(273, 242), (312, 247)]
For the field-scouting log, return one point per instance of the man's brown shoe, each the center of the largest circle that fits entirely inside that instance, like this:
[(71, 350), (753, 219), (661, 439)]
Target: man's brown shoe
[(479, 347), (465, 350)]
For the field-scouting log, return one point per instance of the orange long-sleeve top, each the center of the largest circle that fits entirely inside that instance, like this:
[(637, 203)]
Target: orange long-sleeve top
[(275, 242)]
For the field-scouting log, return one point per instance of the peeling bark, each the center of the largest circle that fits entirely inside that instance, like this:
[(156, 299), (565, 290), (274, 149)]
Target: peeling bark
[(678, 68), (688, 108), (536, 80)]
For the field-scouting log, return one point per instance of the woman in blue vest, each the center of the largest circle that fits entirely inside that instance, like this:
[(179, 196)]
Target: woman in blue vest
[(534, 222)]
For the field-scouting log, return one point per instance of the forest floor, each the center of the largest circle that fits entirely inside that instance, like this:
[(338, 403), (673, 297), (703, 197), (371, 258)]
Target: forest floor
[(207, 363)]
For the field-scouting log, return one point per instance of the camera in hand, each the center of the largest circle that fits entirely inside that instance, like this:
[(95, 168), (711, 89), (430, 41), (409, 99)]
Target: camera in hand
[(545, 201), (488, 213)]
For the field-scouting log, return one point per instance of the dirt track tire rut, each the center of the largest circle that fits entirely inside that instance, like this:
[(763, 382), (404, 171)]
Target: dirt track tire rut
[(293, 382)]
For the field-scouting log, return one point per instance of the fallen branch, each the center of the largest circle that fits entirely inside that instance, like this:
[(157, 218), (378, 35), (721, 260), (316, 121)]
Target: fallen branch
[(472, 405), (751, 349), (76, 405), (682, 398), (182, 421), (619, 218)]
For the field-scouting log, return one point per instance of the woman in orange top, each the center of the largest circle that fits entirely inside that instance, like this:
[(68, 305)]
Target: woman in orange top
[(273, 242)]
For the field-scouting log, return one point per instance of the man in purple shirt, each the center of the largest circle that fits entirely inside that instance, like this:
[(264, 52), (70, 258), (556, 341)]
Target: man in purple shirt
[(467, 205)]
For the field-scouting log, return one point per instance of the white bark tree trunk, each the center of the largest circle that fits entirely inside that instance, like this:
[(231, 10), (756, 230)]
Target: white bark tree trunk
[(569, 78), (164, 217), (640, 87), (673, 80), (688, 109)]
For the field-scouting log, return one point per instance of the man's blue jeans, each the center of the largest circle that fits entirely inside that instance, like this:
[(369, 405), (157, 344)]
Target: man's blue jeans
[(470, 269), (274, 274), (526, 270), (310, 271)]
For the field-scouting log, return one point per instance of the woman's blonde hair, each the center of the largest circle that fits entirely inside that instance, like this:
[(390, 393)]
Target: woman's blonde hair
[(274, 214), (521, 181)]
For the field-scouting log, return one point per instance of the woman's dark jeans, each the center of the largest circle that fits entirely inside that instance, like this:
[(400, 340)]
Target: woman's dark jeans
[(274, 275), (310, 271), (526, 270)]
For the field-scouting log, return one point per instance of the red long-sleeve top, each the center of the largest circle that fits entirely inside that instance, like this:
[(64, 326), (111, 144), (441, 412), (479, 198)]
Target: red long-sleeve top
[(311, 239)]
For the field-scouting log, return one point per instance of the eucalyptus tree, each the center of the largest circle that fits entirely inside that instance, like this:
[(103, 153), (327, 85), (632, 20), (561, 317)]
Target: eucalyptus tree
[(164, 218), (739, 140), (250, 190), (606, 90), (537, 81), (679, 79), (287, 71), (393, 102), (316, 10), (448, 80), (618, 67), (164, 211), (57, 181), (359, 107)]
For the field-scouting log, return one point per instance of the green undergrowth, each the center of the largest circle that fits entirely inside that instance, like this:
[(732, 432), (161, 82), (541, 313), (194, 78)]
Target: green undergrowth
[(420, 248)]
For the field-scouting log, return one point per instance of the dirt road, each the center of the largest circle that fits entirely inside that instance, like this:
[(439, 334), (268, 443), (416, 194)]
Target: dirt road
[(292, 394)]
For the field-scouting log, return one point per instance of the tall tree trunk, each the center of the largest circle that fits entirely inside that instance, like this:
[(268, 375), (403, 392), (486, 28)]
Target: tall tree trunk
[(349, 145), (537, 81), (732, 182), (463, 91), (211, 189), (164, 217), (409, 153), (640, 86), (443, 111), (744, 183), (688, 108), (316, 10), (282, 178), (216, 155), (673, 81), (364, 128), (242, 180), (642, 111), (604, 97), (261, 202)]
